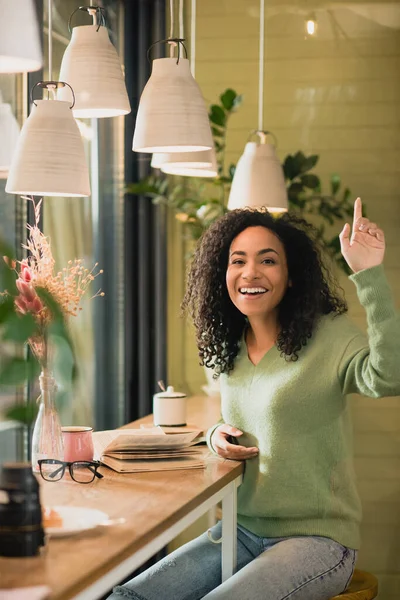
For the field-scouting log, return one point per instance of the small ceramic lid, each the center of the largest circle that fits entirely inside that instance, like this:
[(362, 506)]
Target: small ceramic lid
[(170, 393)]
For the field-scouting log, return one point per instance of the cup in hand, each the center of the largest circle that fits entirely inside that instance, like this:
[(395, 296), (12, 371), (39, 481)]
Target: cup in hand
[(78, 443)]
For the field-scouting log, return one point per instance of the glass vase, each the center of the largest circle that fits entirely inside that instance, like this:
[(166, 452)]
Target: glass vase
[(47, 441)]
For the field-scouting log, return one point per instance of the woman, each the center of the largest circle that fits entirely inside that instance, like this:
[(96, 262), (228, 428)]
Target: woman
[(271, 321)]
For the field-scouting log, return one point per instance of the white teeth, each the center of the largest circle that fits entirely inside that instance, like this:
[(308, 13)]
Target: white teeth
[(258, 290)]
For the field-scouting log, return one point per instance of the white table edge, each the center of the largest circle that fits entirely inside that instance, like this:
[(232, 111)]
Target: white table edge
[(228, 496)]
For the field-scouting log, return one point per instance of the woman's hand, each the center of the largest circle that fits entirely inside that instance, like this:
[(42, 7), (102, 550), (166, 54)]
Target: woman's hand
[(366, 246), (224, 448)]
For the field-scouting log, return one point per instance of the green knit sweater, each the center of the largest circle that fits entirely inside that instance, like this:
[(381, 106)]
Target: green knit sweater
[(296, 413)]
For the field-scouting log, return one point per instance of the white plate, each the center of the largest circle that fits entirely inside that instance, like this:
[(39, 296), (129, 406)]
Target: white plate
[(76, 519)]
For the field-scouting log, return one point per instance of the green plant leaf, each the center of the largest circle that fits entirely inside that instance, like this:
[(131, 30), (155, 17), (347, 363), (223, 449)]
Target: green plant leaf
[(294, 190), (64, 360), (8, 276), (23, 413), (309, 162), (148, 186), (238, 102), (228, 99), (16, 370), (51, 303), (159, 200), (289, 169), (349, 210), (7, 308), (217, 115), (335, 184), (334, 243), (299, 163), (217, 132), (346, 195), (310, 181), (163, 186), (19, 328)]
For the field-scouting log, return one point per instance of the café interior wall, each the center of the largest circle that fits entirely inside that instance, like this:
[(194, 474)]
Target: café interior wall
[(336, 95)]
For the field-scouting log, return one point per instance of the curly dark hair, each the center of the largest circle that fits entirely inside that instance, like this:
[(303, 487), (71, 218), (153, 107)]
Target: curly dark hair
[(219, 324)]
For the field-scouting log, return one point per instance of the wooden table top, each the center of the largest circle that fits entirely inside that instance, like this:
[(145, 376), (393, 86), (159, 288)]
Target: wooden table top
[(150, 503)]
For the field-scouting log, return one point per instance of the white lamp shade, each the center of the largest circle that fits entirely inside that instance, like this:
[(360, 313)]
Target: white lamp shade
[(9, 132), (92, 68), (49, 159), (20, 47), (187, 163), (158, 159), (207, 172), (259, 180), (172, 115)]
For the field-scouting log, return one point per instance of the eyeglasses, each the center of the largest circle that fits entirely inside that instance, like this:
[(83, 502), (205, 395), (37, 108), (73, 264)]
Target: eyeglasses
[(83, 471)]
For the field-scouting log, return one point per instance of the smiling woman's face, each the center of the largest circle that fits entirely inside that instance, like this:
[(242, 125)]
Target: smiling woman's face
[(257, 273)]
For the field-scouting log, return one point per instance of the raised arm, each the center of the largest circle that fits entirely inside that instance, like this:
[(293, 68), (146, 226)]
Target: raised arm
[(365, 248), (370, 366)]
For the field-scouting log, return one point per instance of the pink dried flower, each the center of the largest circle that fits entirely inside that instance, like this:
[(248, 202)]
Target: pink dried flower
[(21, 304), (26, 273), (9, 262), (67, 287), (26, 290), (36, 305), (25, 305)]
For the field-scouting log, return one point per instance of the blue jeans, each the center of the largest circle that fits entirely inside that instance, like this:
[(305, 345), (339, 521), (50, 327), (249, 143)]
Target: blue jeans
[(295, 568)]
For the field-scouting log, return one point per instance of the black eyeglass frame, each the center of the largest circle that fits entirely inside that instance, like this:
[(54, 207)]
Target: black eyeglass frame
[(92, 465)]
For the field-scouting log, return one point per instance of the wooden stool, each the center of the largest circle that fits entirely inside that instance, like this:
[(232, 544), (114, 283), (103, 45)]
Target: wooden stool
[(363, 586)]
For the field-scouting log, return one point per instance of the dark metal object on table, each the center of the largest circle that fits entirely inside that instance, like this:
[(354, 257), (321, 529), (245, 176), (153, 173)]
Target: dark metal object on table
[(21, 530)]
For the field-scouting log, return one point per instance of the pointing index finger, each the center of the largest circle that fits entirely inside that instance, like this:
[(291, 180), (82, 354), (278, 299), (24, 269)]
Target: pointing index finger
[(357, 212)]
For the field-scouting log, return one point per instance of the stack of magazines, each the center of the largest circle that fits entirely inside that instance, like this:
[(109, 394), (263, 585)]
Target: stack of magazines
[(148, 449)]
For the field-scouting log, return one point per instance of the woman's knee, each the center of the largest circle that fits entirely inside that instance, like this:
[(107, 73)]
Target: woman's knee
[(189, 572)]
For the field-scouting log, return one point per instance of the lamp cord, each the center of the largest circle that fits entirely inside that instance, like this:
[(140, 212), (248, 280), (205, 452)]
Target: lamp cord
[(50, 36), (171, 29), (181, 19), (261, 70), (193, 38), (171, 18)]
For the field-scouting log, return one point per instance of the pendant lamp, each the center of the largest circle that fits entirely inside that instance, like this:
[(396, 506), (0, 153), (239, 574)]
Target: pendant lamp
[(172, 115), (91, 66), (9, 132), (50, 158), (259, 180), (188, 164), (20, 47)]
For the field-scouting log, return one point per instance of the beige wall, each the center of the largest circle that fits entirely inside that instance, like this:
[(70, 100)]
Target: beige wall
[(337, 95)]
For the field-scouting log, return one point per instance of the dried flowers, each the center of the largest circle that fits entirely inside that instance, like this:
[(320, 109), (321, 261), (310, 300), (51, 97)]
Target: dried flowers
[(37, 280)]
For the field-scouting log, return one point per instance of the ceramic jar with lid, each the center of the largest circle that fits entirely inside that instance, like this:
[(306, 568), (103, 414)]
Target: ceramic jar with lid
[(169, 408)]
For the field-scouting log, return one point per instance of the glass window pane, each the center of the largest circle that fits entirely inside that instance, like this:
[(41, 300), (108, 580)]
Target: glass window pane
[(78, 230), (12, 215)]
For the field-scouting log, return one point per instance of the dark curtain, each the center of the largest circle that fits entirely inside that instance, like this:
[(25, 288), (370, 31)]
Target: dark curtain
[(145, 226), (25, 214)]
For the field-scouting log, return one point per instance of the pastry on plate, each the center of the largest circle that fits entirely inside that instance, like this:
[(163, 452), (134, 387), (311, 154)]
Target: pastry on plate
[(51, 518)]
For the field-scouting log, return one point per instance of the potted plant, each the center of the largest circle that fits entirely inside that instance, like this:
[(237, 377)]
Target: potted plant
[(197, 203)]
